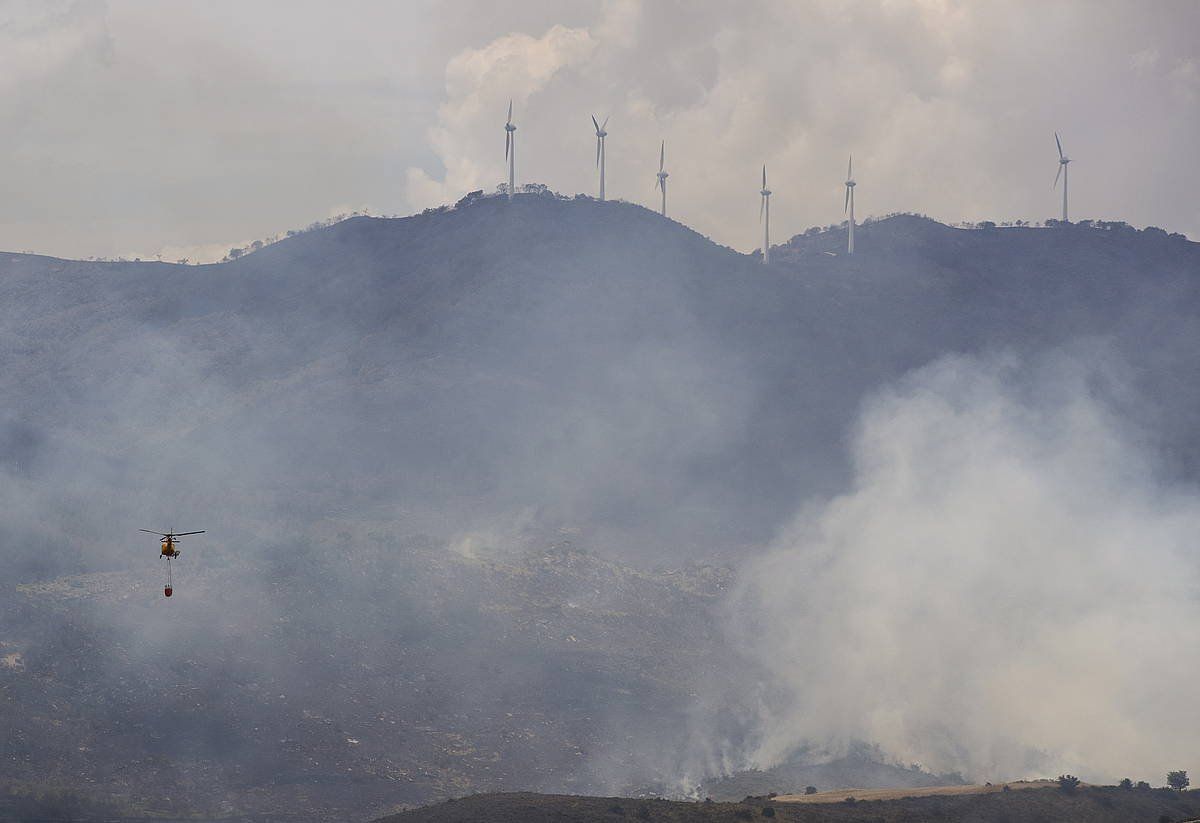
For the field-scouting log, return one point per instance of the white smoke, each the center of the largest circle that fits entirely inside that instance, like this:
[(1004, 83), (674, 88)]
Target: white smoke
[(1009, 589)]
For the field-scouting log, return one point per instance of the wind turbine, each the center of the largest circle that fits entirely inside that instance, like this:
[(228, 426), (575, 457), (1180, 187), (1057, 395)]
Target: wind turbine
[(600, 135), (510, 151), (764, 207), (662, 176), (849, 206), (1063, 160)]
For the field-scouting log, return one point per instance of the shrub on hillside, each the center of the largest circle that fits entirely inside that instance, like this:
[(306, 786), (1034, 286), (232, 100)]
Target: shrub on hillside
[(810, 789), (1125, 783), (1142, 785), (1068, 783)]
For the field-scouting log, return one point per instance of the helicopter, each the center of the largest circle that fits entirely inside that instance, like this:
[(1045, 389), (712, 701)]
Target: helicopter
[(169, 552)]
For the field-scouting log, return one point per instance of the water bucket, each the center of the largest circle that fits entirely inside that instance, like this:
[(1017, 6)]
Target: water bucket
[(167, 590)]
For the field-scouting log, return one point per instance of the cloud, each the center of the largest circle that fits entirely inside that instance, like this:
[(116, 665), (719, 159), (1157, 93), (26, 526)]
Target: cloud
[(142, 126), (1007, 590), (478, 81), (949, 108), (41, 40)]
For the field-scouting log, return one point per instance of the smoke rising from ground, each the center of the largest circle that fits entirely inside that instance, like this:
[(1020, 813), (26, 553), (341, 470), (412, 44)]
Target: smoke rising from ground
[(1008, 589)]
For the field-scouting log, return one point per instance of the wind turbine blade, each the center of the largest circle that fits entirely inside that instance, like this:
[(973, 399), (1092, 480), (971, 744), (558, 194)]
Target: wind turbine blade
[(597, 151), (507, 140), (1059, 142), (662, 155), (764, 176), (761, 203), (594, 123), (509, 111), (604, 125), (1060, 168), (846, 207), (850, 169)]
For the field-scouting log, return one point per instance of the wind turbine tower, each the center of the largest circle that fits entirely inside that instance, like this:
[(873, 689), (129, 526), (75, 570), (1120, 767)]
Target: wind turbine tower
[(1063, 160), (600, 135), (849, 206), (662, 176), (764, 208), (510, 151)]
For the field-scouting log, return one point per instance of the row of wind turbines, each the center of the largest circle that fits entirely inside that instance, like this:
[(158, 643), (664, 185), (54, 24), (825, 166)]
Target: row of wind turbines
[(764, 209)]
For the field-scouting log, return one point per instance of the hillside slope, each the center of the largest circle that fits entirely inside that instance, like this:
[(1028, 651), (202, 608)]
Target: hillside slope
[(384, 425), (347, 681), (569, 364)]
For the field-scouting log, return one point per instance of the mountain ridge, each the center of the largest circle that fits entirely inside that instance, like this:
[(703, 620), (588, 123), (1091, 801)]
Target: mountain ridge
[(365, 417)]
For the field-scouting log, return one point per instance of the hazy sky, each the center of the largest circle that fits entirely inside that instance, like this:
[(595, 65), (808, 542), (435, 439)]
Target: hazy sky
[(182, 128)]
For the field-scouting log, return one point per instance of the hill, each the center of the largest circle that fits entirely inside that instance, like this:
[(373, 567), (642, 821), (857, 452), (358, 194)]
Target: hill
[(544, 364), (390, 428), (1090, 805)]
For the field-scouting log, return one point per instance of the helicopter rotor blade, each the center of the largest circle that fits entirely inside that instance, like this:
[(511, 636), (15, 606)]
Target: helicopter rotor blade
[(150, 531), (184, 534)]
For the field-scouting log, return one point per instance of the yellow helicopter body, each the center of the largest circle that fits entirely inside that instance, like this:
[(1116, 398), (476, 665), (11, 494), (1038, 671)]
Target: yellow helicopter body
[(169, 551)]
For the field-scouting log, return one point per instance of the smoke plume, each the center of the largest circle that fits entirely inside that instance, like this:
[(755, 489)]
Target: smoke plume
[(1007, 589)]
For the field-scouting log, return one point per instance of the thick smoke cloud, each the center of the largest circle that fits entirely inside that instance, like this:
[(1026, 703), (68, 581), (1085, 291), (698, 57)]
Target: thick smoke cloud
[(1007, 589)]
